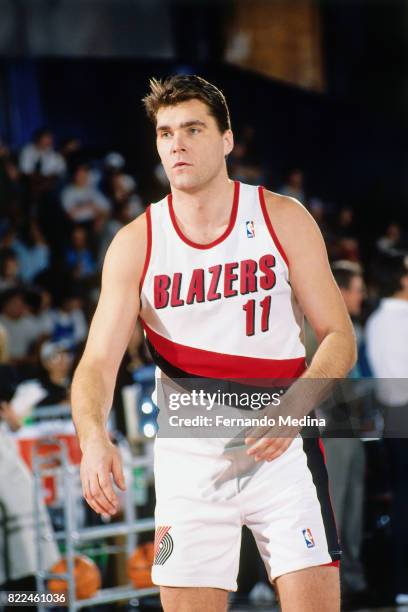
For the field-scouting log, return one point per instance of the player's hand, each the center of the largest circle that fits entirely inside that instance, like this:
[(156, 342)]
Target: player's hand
[(271, 441), (101, 463), (266, 443), (264, 447)]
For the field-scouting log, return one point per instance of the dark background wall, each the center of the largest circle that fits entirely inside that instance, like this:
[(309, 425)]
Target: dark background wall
[(350, 140)]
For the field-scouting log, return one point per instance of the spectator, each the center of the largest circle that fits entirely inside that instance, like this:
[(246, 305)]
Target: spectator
[(387, 351), (70, 150), (32, 252), (244, 159), (345, 457), (69, 323), (83, 202), (21, 327), (45, 314), (10, 187), (78, 256), (345, 223), (114, 162), (9, 269), (56, 364), (293, 186), (346, 245), (121, 190), (39, 157), (393, 241)]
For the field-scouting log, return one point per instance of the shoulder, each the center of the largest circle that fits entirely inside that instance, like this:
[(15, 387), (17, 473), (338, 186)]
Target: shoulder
[(128, 248), (292, 223), (282, 208), (133, 234)]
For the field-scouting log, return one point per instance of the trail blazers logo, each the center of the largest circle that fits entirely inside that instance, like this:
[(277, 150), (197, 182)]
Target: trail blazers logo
[(163, 545)]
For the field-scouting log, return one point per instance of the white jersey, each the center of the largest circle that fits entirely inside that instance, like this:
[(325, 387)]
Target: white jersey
[(224, 309)]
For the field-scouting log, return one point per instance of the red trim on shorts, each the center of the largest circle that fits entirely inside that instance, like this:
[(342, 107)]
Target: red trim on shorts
[(331, 564), (148, 248), (270, 226), (321, 446), (323, 451), (208, 364), (223, 236)]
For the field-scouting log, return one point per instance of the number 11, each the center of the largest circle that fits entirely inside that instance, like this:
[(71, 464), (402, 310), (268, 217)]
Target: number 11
[(249, 308)]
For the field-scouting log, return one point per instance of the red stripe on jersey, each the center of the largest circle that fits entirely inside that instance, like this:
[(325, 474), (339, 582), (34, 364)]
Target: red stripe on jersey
[(227, 232), (208, 364), (270, 226), (148, 248)]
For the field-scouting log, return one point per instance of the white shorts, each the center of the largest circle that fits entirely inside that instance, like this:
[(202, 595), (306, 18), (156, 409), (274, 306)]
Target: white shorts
[(206, 492)]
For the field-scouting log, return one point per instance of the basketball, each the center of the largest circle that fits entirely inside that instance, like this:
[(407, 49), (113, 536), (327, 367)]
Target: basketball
[(86, 575), (140, 564)]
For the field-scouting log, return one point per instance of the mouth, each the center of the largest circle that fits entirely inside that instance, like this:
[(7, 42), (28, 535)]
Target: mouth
[(181, 165)]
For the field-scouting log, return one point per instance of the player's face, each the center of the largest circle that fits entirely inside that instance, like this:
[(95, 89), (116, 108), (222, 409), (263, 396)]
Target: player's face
[(190, 144)]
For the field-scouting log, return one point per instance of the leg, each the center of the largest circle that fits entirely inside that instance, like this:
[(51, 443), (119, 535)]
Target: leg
[(315, 589), (191, 599)]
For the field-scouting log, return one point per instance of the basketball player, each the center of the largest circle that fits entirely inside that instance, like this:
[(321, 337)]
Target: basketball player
[(219, 272)]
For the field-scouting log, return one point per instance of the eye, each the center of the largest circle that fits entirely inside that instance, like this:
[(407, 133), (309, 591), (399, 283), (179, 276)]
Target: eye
[(164, 134), (194, 130)]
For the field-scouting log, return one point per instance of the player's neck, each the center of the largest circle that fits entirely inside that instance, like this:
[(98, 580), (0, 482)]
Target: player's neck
[(211, 205)]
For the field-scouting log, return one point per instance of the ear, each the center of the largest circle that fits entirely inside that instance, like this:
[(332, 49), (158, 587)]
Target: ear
[(228, 138)]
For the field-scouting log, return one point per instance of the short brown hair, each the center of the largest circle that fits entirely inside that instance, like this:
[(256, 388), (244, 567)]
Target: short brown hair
[(344, 271), (180, 88)]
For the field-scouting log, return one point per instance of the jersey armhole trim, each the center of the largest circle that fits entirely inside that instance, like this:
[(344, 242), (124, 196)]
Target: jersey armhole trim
[(270, 226), (148, 247)]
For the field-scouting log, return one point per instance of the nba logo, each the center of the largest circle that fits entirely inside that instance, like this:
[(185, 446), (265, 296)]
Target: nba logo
[(250, 229), (307, 534)]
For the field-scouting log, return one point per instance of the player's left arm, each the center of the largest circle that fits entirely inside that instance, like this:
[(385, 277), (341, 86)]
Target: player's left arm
[(314, 287), (319, 296)]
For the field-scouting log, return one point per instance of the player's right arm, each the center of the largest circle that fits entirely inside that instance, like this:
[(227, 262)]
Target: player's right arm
[(94, 380)]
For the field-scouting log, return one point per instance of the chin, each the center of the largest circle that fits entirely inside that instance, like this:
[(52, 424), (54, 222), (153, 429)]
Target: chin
[(185, 183)]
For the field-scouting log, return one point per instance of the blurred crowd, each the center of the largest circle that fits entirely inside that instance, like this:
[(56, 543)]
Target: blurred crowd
[(59, 210)]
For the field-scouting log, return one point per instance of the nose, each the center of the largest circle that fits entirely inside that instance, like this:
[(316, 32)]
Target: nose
[(178, 143)]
